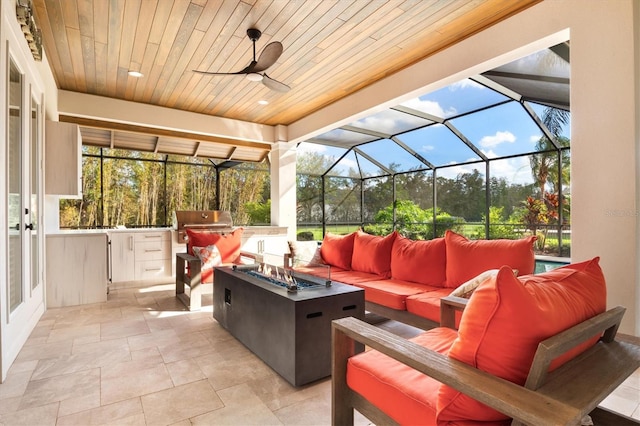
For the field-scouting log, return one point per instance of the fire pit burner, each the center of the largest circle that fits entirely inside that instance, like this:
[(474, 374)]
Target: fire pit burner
[(286, 278)]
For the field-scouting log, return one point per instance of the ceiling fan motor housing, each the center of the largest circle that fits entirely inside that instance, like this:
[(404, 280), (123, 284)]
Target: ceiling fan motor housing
[(254, 34)]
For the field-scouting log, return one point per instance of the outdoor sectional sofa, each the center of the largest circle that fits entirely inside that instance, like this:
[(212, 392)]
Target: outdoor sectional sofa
[(405, 279)]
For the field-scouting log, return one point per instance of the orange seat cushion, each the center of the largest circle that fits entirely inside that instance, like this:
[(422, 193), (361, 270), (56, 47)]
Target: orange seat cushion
[(351, 277), (427, 304), (372, 253), (507, 317), (468, 258), (337, 250), (406, 395), (393, 293), (421, 262)]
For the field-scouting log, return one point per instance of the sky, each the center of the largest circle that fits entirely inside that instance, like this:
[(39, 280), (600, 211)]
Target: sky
[(499, 131)]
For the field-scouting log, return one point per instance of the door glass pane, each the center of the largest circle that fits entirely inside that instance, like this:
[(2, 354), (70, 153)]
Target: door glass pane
[(34, 207), (15, 188)]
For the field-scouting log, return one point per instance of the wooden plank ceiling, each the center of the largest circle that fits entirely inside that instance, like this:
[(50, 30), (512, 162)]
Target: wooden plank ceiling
[(332, 48)]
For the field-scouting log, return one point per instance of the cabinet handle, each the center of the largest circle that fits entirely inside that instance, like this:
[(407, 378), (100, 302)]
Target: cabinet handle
[(152, 269), (151, 250), (131, 243), (153, 236)]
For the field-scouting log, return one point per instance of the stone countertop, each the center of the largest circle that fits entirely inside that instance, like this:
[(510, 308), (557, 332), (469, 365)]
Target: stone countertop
[(281, 229), (76, 232)]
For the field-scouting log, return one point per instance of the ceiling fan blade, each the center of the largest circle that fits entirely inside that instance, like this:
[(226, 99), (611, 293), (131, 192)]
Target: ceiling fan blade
[(220, 73), (275, 84), (268, 57)]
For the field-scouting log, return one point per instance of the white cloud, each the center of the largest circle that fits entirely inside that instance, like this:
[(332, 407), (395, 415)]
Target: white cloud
[(380, 123), (495, 140), (463, 84), (489, 153), (430, 107), (514, 170), (534, 138), (427, 148)]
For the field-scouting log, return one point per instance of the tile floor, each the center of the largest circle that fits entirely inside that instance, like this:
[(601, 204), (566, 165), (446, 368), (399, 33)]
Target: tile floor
[(141, 359)]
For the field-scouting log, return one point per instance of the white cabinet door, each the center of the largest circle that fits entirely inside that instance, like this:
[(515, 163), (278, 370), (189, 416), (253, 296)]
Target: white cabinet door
[(123, 261), (76, 269)]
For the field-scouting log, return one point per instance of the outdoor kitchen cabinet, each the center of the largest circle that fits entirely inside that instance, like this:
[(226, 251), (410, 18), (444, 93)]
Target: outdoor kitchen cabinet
[(63, 157), (265, 239), (76, 271), (123, 262), (140, 256)]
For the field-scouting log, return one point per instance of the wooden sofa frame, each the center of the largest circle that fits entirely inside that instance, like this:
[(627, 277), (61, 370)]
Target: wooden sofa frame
[(193, 300), (563, 396)]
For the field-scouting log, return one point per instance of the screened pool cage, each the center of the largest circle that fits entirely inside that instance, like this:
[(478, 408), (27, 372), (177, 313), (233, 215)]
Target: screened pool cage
[(488, 157)]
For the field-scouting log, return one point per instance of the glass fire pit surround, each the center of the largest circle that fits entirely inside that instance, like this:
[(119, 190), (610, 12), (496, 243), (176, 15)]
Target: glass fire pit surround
[(289, 278)]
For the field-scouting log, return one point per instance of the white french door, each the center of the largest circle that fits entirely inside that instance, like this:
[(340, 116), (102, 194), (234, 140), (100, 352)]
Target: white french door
[(23, 295)]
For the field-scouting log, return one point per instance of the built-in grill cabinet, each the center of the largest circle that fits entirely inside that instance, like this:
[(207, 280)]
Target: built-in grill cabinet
[(211, 220)]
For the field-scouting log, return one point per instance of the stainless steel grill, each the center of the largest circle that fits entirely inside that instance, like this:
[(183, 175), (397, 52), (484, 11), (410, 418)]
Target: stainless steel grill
[(213, 220)]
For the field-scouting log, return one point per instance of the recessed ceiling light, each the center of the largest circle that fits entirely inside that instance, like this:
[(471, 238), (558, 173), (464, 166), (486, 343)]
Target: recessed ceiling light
[(263, 102), (136, 74)]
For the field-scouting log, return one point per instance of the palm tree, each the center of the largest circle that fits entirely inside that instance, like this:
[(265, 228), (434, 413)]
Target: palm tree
[(545, 164)]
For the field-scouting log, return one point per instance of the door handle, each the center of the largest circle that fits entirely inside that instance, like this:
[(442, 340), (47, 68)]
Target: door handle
[(29, 226), (17, 227)]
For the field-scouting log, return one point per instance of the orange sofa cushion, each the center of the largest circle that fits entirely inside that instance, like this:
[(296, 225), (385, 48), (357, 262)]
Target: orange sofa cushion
[(406, 395), (468, 258), (507, 317), (421, 262), (372, 253), (228, 246), (427, 304), (351, 277), (337, 250), (393, 293)]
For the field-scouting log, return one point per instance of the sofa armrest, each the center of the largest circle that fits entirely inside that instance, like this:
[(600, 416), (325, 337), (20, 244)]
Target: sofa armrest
[(563, 396), (248, 256), (288, 260), (187, 257), (515, 401), (448, 307)]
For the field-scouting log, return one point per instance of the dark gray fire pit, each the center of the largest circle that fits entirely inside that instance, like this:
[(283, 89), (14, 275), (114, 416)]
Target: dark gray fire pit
[(289, 331)]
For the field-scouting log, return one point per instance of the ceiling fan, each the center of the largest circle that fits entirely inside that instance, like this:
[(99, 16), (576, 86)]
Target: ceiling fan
[(254, 71)]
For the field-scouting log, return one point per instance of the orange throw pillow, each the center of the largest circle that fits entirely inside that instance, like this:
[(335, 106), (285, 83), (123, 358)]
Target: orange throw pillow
[(228, 245), (421, 262), (468, 258), (505, 320), (372, 253), (337, 250)]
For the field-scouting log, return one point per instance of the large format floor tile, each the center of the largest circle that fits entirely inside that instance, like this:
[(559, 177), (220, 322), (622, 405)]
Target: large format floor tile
[(141, 359)]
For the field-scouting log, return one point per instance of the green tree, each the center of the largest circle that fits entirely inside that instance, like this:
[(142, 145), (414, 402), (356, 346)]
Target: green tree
[(259, 213)]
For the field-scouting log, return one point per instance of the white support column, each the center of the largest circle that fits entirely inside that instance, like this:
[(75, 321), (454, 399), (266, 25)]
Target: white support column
[(283, 183)]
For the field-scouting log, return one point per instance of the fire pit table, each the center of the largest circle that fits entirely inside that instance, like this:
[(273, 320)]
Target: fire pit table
[(289, 329)]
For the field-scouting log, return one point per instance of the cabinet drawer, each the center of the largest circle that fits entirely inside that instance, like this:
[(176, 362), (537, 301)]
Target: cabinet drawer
[(143, 237), (153, 269), (152, 250)]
